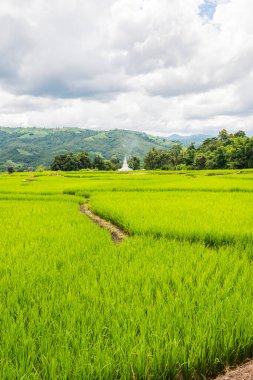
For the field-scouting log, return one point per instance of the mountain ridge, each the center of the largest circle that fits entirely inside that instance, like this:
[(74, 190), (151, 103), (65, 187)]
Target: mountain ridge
[(30, 147)]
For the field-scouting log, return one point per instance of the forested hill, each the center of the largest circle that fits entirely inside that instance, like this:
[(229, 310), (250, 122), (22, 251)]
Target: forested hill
[(186, 140), (24, 147)]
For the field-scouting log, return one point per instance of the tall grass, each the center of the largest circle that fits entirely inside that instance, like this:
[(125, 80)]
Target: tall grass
[(211, 217), (56, 183), (74, 306)]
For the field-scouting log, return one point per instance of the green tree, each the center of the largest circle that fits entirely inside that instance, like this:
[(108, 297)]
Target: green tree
[(108, 165), (65, 162), (156, 159), (220, 158), (115, 161), (224, 151), (98, 163), (188, 155), (84, 161), (134, 163), (175, 155), (210, 144), (223, 135), (40, 168), (11, 169), (240, 153), (200, 161), (240, 134)]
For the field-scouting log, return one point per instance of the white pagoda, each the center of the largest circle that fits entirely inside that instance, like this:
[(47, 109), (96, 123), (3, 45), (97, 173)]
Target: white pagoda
[(125, 166)]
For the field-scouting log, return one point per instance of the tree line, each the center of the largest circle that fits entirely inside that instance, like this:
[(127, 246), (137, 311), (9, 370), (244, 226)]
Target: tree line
[(227, 151), (72, 162)]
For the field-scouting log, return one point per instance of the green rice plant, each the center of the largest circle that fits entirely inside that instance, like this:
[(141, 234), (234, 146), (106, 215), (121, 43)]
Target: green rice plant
[(210, 217), (75, 306), (56, 183)]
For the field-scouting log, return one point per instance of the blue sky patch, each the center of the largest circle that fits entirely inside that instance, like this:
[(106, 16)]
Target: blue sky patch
[(208, 8)]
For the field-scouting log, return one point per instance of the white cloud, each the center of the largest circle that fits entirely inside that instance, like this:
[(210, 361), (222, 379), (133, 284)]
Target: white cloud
[(143, 64)]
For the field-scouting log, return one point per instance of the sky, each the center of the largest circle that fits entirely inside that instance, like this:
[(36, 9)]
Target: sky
[(157, 66)]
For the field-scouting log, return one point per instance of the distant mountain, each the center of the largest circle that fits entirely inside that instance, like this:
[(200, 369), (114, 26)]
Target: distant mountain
[(186, 140), (24, 147)]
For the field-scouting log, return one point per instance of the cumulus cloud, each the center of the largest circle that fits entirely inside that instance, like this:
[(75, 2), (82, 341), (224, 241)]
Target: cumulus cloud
[(161, 67)]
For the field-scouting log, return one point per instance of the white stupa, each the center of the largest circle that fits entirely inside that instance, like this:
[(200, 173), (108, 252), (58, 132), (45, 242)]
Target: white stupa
[(125, 166)]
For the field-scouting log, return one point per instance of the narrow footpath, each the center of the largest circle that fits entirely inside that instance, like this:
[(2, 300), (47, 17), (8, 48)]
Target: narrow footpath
[(117, 234), (244, 372)]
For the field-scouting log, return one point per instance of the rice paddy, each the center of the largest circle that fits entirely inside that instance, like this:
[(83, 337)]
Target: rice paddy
[(211, 217), (173, 301)]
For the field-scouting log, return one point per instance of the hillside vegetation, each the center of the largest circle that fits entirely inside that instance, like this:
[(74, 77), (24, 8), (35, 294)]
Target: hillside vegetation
[(30, 147)]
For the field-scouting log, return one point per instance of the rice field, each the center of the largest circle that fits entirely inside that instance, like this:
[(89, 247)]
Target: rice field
[(173, 301), (210, 217)]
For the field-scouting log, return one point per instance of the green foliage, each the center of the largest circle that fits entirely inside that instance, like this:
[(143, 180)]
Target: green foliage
[(66, 162), (188, 155), (98, 163), (36, 146), (187, 140), (70, 162), (12, 164), (11, 169), (156, 159), (40, 169), (115, 161), (226, 151), (108, 165), (161, 159), (134, 163), (200, 161), (84, 161)]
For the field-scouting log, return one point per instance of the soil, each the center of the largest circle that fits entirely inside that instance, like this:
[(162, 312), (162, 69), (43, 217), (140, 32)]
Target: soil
[(117, 234), (244, 372)]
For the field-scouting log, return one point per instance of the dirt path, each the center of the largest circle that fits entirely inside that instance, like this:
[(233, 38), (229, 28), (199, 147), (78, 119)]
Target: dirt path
[(244, 372), (117, 234)]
